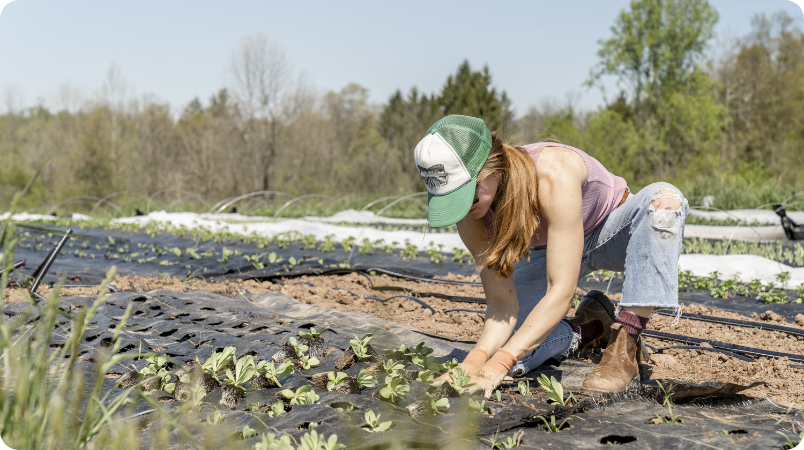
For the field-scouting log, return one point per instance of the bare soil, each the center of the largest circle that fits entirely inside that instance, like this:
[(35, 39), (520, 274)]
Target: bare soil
[(350, 292)]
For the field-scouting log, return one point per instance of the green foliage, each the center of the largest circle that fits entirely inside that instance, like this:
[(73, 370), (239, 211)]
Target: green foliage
[(277, 409), (478, 406), (470, 93), (373, 424), (437, 406), (303, 395), (409, 252), (436, 256), (550, 426), (298, 347), (273, 372), (554, 389), (462, 256), (248, 432), (524, 388), (309, 362), (360, 345), (335, 379), (394, 390), (393, 367), (365, 380), (269, 441), (216, 419), (312, 441), (510, 441), (245, 370), (312, 333), (459, 379), (670, 418)]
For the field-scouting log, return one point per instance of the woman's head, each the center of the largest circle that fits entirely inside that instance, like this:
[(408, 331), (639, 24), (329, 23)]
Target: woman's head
[(467, 171)]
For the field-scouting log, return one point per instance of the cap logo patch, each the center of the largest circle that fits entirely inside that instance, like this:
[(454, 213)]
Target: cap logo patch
[(434, 176)]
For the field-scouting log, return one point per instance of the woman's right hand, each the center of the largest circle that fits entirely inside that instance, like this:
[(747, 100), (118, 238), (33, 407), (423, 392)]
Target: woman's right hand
[(473, 361)]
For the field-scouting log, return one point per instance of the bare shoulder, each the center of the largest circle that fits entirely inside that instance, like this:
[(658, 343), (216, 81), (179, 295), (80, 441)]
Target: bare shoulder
[(560, 165)]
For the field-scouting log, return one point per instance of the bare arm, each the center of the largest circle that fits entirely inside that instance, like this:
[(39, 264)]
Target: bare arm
[(561, 174), (501, 300)]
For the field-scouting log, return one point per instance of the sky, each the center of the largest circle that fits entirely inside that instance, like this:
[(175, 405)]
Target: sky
[(174, 51)]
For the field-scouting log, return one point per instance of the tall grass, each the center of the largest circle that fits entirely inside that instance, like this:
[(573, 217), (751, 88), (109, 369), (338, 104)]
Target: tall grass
[(46, 400)]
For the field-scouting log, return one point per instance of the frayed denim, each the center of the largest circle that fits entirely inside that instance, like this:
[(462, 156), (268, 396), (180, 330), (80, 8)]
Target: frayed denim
[(636, 239)]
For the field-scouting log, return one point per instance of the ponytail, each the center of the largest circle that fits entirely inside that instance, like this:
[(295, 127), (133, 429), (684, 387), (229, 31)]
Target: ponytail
[(515, 205)]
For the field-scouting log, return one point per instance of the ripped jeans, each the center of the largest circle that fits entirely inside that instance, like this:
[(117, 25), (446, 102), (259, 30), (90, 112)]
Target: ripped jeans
[(636, 239)]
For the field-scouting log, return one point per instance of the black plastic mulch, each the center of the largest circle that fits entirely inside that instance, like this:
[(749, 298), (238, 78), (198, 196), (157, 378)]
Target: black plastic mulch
[(185, 325)]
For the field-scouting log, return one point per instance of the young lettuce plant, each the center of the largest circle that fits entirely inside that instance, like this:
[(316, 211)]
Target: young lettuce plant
[(273, 371), (308, 362), (217, 361), (335, 379), (361, 347), (394, 390), (269, 441), (277, 409), (314, 441), (156, 374), (312, 333), (365, 380), (478, 406), (555, 391), (437, 405), (392, 367), (244, 371), (373, 424), (303, 396), (459, 379), (299, 347)]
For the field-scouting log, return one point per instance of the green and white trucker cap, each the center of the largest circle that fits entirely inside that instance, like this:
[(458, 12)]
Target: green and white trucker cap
[(449, 158)]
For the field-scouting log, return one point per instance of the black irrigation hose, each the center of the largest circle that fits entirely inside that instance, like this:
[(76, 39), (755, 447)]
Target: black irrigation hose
[(430, 280), (740, 323), (444, 338), (716, 350), (479, 311), (404, 296), (42, 270), (723, 345), (452, 298)]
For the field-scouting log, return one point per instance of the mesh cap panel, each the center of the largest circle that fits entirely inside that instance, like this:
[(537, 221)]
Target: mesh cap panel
[(470, 138)]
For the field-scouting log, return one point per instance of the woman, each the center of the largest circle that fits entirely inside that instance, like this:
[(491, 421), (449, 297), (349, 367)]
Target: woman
[(537, 219)]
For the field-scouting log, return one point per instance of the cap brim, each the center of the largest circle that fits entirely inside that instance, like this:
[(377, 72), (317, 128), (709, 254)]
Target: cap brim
[(449, 209)]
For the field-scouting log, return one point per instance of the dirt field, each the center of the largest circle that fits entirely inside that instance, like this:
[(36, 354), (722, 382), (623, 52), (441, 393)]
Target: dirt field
[(349, 292)]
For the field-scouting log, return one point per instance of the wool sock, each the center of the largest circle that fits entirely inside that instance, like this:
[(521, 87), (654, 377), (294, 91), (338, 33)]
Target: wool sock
[(632, 323)]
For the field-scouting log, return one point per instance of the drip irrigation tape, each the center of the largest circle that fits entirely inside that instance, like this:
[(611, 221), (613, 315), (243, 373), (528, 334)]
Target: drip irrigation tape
[(452, 298), (42, 270), (347, 290), (404, 296), (741, 323), (716, 350), (429, 280), (14, 267), (303, 282), (465, 310), (726, 346), (445, 338)]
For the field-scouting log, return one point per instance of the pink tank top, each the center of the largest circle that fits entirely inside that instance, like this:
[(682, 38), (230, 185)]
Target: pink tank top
[(601, 192)]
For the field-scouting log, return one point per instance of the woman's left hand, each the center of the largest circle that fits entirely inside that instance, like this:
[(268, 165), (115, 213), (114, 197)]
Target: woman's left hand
[(491, 375)]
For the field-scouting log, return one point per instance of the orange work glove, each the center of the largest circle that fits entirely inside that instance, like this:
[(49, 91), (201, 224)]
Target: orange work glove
[(473, 361), (492, 373)]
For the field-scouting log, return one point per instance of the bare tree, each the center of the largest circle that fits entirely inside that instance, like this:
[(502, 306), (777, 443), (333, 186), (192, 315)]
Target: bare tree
[(265, 92)]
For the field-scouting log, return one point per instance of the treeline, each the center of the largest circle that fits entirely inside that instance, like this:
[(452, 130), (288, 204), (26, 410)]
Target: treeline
[(728, 126)]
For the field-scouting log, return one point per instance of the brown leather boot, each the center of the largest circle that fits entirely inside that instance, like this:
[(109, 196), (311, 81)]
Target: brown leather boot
[(618, 366), (594, 316)]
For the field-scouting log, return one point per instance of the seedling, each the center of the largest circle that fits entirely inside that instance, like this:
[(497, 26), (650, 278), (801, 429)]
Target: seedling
[(555, 391), (435, 255), (790, 444), (256, 260), (312, 441), (226, 255), (335, 379), (459, 379), (410, 251), (248, 432), (216, 419), (478, 406), (217, 361), (361, 346), (373, 424), (244, 371), (551, 426), (365, 380), (426, 376), (510, 442), (347, 244), (393, 367), (273, 372), (269, 441), (394, 390), (156, 367), (300, 348), (449, 365), (303, 396), (498, 395), (366, 247), (420, 356), (437, 405), (274, 259), (277, 409), (461, 256), (524, 387), (312, 333), (328, 245), (670, 418), (308, 362), (783, 278)]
